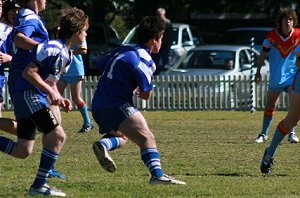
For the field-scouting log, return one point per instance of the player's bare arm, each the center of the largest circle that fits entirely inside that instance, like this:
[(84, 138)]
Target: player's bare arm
[(31, 73), (260, 62), (24, 42)]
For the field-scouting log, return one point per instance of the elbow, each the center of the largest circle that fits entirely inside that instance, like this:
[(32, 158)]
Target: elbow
[(145, 95)]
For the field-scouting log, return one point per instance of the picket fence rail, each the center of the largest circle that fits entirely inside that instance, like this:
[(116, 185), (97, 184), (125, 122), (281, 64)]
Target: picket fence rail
[(190, 93)]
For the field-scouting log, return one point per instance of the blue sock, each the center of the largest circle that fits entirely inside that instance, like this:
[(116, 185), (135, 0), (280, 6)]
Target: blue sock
[(47, 161), (6, 145), (266, 124), (110, 143), (84, 112), (151, 159), (279, 134)]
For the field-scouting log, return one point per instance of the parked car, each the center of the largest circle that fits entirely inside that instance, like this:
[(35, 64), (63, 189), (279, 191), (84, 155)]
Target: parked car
[(184, 38), (217, 60), (223, 62), (242, 36)]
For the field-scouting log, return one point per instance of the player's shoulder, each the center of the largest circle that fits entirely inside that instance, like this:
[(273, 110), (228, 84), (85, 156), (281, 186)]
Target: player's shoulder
[(297, 31), (272, 33), (50, 48), (27, 14)]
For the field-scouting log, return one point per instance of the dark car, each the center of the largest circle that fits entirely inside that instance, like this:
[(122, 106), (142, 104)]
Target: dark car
[(101, 39), (242, 36)]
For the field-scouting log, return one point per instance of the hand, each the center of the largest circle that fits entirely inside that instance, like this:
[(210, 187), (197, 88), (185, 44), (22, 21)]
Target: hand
[(257, 78), (54, 98), (66, 105), (4, 58), (137, 91)]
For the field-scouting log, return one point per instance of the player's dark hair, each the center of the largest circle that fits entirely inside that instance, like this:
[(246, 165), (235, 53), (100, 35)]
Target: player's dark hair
[(22, 3), (286, 13), (150, 27), (7, 5), (72, 21)]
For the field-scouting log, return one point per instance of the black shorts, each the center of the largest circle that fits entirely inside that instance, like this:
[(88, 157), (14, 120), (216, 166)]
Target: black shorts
[(43, 119)]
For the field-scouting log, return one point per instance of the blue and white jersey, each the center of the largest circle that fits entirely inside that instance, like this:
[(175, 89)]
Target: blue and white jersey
[(53, 59), (4, 32), (124, 69), (32, 26)]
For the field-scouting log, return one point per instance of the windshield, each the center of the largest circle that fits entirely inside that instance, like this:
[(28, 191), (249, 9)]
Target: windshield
[(211, 59)]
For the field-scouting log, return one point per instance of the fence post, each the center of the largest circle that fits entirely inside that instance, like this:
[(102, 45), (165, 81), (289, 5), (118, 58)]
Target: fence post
[(252, 83)]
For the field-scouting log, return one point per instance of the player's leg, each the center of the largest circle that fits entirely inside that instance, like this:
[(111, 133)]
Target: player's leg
[(136, 129), (8, 125), (81, 105), (53, 139), (106, 120), (272, 99), (53, 172), (292, 136), (109, 142), (24, 145), (284, 127), (61, 85)]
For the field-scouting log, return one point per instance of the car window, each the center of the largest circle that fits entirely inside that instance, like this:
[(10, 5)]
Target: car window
[(208, 60), (243, 58), (185, 35), (198, 40), (174, 36)]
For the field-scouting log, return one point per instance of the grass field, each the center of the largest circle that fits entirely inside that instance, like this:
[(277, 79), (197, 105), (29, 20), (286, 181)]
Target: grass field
[(212, 151)]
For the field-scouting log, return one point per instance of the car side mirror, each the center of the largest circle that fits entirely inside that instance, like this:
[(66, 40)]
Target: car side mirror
[(187, 43), (246, 67)]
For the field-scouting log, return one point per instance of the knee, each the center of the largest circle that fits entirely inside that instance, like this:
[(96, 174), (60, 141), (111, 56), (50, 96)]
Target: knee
[(61, 138), (148, 139)]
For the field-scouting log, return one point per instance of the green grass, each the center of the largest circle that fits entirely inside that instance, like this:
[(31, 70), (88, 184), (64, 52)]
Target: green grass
[(212, 151)]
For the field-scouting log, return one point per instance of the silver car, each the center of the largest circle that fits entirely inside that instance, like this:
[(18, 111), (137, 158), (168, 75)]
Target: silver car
[(184, 38), (222, 63), (224, 60)]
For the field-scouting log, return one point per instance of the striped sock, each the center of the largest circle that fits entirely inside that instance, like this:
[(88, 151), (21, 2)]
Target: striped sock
[(47, 161), (6, 145), (110, 143), (280, 133), (151, 159)]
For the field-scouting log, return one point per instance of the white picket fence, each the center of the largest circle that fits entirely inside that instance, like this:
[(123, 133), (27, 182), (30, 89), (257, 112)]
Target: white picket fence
[(190, 93)]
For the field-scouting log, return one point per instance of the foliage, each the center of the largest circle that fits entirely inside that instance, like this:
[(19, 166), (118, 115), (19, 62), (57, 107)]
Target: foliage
[(212, 151)]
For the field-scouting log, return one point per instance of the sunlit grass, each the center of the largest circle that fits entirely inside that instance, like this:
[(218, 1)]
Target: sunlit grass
[(212, 151)]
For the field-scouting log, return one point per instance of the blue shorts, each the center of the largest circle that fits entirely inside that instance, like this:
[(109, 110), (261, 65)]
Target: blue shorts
[(296, 83), (279, 89), (110, 119), (2, 83), (27, 103), (71, 79)]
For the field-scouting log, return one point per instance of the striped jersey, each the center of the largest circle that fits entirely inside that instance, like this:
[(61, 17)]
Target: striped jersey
[(32, 26), (53, 60), (123, 70)]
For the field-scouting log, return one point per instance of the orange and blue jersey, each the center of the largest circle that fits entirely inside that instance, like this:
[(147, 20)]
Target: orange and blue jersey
[(282, 57)]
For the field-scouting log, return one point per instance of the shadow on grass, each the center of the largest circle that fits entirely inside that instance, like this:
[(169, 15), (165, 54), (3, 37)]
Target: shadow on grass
[(238, 175)]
